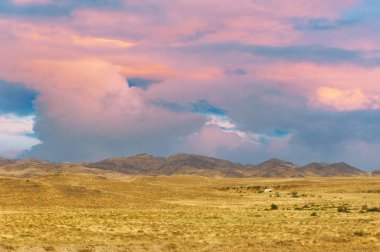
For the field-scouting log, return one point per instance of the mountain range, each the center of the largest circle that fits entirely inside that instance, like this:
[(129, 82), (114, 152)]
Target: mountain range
[(145, 164)]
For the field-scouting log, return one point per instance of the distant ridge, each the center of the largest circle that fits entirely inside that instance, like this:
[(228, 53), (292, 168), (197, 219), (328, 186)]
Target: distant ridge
[(376, 173), (330, 170), (187, 164), (274, 168), (5, 161), (144, 164)]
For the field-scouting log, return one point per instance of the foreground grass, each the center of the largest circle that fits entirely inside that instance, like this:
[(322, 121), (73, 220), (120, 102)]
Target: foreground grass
[(67, 212)]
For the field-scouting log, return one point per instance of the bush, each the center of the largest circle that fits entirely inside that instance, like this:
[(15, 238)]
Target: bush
[(359, 233), (314, 214), (295, 194), (49, 248), (343, 209), (274, 207), (373, 209), (365, 208)]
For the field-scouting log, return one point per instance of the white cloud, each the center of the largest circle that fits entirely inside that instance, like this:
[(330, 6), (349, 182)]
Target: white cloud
[(15, 134), (226, 125)]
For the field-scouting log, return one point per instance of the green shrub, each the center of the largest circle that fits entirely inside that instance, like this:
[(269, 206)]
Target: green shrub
[(359, 233), (49, 248), (314, 214), (274, 207), (343, 209), (295, 194), (365, 208), (373, 209)]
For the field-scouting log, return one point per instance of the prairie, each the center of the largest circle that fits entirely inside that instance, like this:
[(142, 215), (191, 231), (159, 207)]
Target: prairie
[(85, 212)]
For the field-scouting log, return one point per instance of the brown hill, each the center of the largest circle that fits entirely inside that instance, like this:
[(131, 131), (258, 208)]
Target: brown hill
[(26, 168), (274, 168), (197, 165), (145, 164), (376, 173), (6, 161), (330, 170), (138, 164)]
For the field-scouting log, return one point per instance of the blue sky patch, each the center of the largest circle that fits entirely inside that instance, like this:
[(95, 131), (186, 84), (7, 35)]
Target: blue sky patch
[(16, 99), (318, 24), (201, 106), (204, 107), (280, 133), (142, 83), (54, 9)]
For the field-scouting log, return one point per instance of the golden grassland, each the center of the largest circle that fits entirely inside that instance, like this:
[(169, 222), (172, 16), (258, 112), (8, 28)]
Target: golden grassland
[(79, 212)]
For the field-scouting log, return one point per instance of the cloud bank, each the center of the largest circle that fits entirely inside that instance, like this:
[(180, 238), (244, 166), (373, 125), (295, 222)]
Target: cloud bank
[(247, 81)]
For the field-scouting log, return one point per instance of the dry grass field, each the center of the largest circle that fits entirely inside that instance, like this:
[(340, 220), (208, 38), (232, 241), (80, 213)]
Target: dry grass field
[(82, 212)]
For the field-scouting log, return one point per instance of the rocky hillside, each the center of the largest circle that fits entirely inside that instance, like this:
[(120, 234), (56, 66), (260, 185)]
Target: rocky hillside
[(5, 161), (376, 173), (274, 168), (330, 170), (178, 164), (33, 168), (145, 164)]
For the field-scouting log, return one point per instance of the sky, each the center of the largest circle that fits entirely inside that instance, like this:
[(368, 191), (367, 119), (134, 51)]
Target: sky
[(243, 80)]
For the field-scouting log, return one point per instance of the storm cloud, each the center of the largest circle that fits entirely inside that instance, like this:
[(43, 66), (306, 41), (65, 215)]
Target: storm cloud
[(247, 81)]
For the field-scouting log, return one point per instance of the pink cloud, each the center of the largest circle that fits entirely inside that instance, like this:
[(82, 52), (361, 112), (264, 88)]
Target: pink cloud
[(211, 139), (351, 99), (28, 2), (91, 95), (79, 64), (335, 86), (32, 53), (178, 22)]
